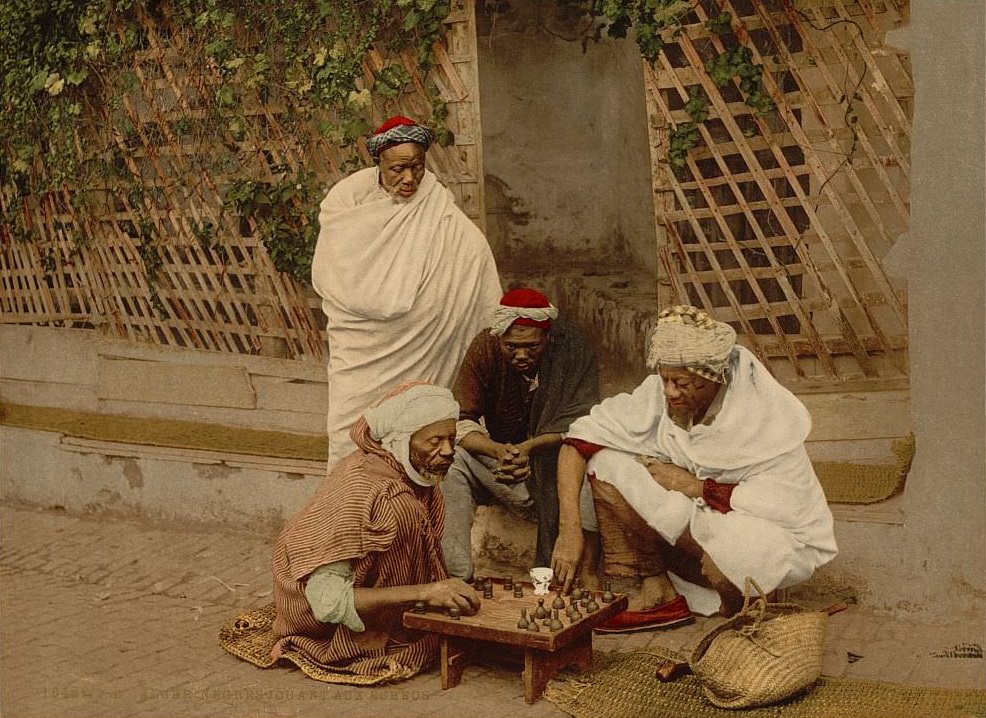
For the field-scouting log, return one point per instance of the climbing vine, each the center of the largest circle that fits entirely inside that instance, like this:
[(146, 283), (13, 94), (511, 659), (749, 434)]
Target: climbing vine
[(68, 67), (658, 22)]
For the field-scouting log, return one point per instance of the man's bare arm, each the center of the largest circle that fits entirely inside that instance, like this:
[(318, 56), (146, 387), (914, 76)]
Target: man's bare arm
[(450, 593), (568, 547)]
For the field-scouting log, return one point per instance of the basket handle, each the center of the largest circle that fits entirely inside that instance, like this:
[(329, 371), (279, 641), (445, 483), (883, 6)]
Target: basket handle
[(753, 605)]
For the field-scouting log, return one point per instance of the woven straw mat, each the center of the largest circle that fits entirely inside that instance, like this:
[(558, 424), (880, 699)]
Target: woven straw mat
[(622, 685), (250, 636)]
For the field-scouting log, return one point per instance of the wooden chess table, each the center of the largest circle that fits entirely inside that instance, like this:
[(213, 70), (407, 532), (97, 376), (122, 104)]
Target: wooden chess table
[(492, 634)]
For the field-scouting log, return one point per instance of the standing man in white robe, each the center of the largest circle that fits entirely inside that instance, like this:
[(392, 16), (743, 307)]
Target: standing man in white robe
[(406, 278), (701, 471)]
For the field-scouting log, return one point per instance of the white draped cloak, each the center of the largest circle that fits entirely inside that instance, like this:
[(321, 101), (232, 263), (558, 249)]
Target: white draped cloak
[(405, 286), (780, 528)]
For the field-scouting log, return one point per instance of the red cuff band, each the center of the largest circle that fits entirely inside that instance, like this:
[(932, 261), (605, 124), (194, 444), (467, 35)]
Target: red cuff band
[(717, 495), (586, 448)]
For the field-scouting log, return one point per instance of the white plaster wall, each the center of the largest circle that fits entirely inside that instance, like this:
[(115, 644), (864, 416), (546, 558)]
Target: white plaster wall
[(936, 562), (565, 143)]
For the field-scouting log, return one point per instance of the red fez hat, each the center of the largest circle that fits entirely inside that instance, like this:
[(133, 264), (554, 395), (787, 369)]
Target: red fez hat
[(395, 121), (526, 298)]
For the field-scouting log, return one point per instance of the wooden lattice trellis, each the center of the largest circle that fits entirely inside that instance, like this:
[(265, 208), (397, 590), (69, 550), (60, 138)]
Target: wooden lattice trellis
[(779, 222), (83, 267)]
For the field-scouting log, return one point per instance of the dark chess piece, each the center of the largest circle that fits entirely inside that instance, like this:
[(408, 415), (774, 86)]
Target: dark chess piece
[(608, 593), (454, 613), (559, 602), (540, 611), (533, 627), (523, 623), (518, 591), (508, 584), (419, 606), (488, 591), (555, 624), (591, 606), (577, 591)]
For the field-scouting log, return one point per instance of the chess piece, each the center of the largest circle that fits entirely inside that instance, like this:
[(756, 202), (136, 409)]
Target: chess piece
[(508, 583), (555, 624), (577, 591), (591, 606), (523, 623), (608, 596), (454, 613), (559, 602), (518, 591), (540, 611), (419, 606), (533, 627), (488, 591)]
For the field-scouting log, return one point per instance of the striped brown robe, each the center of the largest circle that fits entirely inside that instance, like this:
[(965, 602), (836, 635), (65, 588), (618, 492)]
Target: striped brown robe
[(369, 513)]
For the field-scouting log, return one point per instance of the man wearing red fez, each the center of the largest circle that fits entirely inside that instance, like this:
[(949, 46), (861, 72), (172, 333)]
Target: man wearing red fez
[(521, 384), (406, 278)]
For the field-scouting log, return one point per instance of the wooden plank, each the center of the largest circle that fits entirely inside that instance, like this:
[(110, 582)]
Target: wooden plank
[(39, 354), (283, 394), (311, 469), (158, 382), (859, 415)]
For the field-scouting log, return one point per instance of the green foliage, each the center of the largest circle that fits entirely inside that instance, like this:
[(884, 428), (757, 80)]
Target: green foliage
[(686, 134), (67, 65), (656, 22), (285, 213), (738, 62)]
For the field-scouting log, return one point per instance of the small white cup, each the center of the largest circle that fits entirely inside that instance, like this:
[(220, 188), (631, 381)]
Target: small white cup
[(541, 576)]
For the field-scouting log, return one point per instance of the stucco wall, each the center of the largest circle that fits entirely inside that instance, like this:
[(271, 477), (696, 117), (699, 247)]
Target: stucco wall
[(937, 559), (565, 142)]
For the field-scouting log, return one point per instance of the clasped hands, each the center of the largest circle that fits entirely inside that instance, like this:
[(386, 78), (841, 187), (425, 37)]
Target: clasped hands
[(513, 463)]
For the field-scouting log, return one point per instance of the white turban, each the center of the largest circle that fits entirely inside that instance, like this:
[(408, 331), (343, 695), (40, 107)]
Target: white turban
[(394, 420), (690, 338)]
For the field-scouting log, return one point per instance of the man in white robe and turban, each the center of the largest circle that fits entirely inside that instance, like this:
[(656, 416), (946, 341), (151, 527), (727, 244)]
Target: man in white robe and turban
[(406, 278), (700, 473)]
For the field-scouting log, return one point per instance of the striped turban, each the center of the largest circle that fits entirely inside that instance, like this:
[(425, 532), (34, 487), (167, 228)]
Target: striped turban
[(396, 131), (526, 307), (689, 338)]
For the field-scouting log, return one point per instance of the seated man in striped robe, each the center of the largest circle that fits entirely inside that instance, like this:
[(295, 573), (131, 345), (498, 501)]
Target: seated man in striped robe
[(368, 544)]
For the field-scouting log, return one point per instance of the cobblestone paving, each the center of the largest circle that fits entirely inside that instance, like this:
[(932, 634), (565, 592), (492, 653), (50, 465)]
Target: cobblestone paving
[(107, 617)]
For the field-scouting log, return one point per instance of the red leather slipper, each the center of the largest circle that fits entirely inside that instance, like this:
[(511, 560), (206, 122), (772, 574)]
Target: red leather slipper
[(672, 613)]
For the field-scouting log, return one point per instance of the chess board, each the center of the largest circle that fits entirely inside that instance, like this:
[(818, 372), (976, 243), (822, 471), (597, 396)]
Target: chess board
[(493, 631)]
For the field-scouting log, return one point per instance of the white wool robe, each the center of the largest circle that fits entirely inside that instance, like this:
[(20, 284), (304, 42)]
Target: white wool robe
[(780, 528), (405, 286)]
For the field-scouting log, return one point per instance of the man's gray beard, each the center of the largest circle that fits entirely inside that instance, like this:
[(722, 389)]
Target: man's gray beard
[(682, 417), (433, 478)]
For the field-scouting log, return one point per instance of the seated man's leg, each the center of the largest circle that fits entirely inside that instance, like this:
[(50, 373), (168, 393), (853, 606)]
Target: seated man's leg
[(460, 507), (631, 548), (691, 556), (469, 482)]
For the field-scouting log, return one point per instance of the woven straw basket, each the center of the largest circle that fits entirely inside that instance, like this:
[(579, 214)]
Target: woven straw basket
[(765, 653)]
